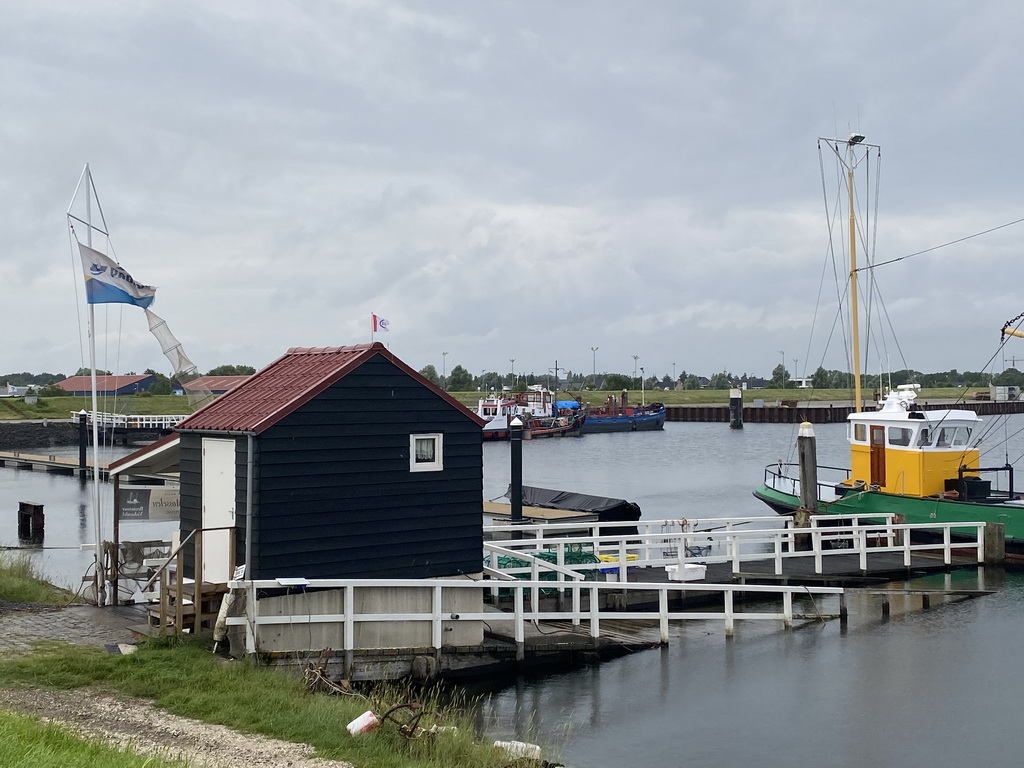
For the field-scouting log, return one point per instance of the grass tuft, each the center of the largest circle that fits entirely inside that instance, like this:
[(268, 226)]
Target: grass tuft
[(21, 582), (25, 742)]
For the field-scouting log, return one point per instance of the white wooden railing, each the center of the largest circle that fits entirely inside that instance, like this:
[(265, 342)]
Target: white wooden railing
[(657, 543), (520, 614), (672, 542), (129, 421)]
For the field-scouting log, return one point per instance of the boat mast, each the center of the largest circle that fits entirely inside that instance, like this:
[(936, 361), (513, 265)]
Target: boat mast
[(855, 138), (97, 509)]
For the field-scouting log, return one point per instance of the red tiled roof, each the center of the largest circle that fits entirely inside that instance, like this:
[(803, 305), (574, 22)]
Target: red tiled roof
[(289, 382), (103, 383), (214, 383)]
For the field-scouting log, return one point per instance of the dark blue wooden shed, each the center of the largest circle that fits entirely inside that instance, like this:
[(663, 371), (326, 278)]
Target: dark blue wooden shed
[(337, 462)]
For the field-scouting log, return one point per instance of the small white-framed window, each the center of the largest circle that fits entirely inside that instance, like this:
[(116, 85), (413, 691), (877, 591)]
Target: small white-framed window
[(900, 435), (426, 452)]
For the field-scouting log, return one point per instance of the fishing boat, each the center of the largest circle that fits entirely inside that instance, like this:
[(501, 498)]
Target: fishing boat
[(923, 464), (541, 415), (617, 415)]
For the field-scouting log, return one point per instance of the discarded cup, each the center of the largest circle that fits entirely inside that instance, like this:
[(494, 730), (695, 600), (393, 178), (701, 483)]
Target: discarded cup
[(365, 723)]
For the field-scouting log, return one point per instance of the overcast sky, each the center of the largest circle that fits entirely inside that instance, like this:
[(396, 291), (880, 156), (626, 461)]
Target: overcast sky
[(501, 180)]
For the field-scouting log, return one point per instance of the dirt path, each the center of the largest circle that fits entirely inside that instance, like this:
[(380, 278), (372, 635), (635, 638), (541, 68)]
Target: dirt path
[(151, 731)]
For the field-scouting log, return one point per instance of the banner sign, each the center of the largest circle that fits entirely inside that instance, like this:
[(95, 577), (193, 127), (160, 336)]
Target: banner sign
[(152, 503)]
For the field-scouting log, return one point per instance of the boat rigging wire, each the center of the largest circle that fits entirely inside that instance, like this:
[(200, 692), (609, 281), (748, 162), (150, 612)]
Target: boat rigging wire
[(944, 245)]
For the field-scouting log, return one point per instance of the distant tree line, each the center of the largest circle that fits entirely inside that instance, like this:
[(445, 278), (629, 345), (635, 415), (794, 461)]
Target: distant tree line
[(459, 379)]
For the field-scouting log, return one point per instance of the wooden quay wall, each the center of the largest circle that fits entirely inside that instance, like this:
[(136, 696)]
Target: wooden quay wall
[(795, 411)]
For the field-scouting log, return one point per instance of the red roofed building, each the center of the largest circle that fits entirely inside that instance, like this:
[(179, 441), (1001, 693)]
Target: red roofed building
[(338, 462), (106, 386)]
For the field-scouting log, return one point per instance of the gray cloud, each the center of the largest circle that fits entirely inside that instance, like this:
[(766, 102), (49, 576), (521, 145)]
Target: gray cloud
[(506, 180)]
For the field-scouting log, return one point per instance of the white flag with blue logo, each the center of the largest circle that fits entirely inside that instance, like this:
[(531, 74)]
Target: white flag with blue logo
[(107, 283)]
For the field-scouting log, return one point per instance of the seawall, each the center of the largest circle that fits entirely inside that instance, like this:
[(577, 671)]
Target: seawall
[(24, 435), (795, 412)]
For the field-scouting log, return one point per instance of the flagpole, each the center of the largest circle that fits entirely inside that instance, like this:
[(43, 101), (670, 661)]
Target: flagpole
[(100, 591)]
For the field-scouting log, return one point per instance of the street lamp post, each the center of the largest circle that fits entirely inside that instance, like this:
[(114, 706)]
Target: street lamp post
[(593, 351), (512, 373), (444, 379), (796, 368), (635, 358), (783, 374), (643, 399)]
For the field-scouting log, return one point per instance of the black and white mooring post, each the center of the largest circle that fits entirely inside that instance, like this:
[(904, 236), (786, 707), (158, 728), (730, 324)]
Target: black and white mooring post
[(516, 484), (735, 408), (807, 455)]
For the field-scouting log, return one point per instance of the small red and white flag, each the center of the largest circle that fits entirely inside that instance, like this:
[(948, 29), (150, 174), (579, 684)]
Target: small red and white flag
[(380, 324)]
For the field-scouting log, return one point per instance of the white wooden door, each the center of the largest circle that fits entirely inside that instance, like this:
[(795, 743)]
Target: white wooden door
[(218, 508)]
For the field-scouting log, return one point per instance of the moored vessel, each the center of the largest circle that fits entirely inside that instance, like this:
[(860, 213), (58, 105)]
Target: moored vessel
[(923, 465), (617, 415), (541, 415)]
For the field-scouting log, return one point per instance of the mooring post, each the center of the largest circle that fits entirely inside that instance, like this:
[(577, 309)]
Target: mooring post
[(516, 484), (995, 543), (83, 442), (31, 521), (807, 454), (735, 408)]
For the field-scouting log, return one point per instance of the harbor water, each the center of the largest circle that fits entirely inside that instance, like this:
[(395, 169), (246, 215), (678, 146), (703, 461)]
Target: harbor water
[(925, 688)]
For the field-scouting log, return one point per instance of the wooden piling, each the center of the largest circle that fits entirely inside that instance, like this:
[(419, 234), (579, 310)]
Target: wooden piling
[(807, 453), (995, 543), (31, 521)]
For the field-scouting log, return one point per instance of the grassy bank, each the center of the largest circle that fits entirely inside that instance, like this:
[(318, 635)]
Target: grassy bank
[(64, 407), (25, 742), (20, 582), (185, 679)]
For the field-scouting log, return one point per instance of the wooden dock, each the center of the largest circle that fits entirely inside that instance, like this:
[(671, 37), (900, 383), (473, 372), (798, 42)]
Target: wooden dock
[(66, 465), (63, 465)]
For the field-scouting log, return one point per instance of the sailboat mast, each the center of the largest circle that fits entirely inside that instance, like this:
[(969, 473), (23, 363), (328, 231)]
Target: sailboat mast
[(96, 508), (855, 138)]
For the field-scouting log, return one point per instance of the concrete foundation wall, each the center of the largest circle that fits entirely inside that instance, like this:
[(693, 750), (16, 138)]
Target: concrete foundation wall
[(369, 635)]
